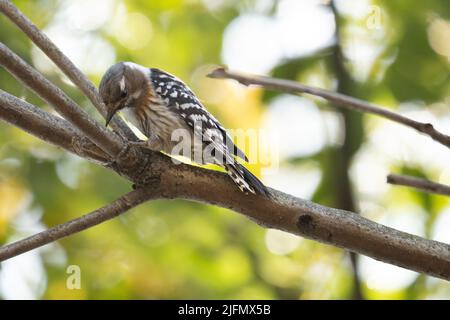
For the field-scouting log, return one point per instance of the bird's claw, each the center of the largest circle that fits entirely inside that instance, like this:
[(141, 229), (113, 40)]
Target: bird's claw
[(139, 144), (153, 143)]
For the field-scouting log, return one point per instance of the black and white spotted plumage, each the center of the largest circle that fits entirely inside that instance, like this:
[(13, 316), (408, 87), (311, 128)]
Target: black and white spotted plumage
[(175, 93), (158, 103)]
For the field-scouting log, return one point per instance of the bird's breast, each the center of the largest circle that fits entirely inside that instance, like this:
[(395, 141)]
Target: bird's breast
[(155, 119), (130, 115)]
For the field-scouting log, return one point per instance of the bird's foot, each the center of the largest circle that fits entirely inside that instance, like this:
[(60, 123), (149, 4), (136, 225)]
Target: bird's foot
[(126, 148), (153, 143), (112, 162), (139, 144)]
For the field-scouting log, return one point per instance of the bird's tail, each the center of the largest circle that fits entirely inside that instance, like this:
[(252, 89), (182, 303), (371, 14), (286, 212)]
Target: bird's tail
[(245, 180)]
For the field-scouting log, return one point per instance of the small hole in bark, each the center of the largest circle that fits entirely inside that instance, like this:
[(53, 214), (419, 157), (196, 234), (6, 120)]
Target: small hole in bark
[(304, 222)]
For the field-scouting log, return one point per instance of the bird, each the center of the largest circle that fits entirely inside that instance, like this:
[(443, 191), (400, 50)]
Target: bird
[(161, 105)]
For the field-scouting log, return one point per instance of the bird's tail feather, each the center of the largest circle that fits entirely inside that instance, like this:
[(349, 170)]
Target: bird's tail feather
[(245, 180)]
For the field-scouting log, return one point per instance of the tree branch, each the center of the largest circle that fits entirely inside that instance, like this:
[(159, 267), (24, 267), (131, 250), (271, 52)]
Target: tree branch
[(63, 62), (112, 210), (337, 98), (421, 184), (54, 96), (48, 127), (281, 211)]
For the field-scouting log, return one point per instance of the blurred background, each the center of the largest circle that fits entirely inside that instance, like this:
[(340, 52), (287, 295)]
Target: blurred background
[(392, 53)]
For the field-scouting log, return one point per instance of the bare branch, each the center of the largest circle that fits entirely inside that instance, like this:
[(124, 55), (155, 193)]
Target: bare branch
[(281, 211), (108, 212), (63, 62), (112, 210), (421, 184), (47, 127), (54, 96), (337, 98)]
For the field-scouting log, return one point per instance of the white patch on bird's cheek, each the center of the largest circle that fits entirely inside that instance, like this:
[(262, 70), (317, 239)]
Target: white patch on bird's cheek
[(122, 84)]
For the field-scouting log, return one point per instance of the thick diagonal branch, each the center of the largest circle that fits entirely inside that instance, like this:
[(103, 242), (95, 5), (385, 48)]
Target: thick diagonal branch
[(63, 62), (48, 127), (281, 211), (54, 96), (340, 228), (338, 99), (421, 184), (112, 210)]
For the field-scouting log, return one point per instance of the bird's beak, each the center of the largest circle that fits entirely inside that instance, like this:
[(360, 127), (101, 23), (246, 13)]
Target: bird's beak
[(109, 116)]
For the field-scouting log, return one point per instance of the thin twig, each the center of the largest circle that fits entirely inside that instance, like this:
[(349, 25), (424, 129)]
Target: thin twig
[(421, 184), (338, 99), (48, 127), (112, 210), (54, 96), (63, 62)]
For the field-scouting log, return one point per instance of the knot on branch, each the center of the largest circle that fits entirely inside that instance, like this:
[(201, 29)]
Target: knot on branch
[(140, 166), (308, 227), (85, 148), (145, 173), (128, 161), (426, 128), (305, 223)]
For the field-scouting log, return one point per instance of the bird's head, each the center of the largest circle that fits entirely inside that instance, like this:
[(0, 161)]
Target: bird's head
[(123, 86)]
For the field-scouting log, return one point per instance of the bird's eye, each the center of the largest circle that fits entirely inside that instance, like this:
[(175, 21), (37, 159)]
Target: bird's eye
[(123, 94)]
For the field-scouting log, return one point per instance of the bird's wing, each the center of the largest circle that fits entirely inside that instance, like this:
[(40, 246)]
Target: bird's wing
[(176, 94)]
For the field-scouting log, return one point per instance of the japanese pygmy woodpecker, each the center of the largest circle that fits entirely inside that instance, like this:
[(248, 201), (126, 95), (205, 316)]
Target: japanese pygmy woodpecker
[(158, 103)]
